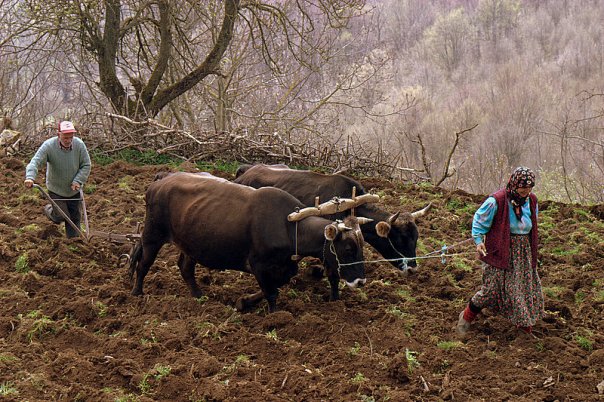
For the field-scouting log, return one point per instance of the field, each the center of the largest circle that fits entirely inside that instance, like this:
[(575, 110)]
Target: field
[(70, 330)]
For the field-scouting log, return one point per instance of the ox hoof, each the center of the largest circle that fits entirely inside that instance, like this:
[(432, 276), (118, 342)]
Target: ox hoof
[(136, 292), (316, 272), (240, 305)]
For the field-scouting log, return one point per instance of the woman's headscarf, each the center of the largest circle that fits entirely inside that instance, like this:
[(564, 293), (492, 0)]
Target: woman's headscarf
[(522, 177)]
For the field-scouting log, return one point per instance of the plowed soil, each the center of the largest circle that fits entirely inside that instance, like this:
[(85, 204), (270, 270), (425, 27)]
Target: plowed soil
[(70, 330)]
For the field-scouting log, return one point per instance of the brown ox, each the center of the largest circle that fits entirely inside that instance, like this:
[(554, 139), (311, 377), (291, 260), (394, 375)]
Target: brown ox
[(223, 225), (394, 236)]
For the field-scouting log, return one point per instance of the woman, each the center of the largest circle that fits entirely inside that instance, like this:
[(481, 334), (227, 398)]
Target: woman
[(505, 231)]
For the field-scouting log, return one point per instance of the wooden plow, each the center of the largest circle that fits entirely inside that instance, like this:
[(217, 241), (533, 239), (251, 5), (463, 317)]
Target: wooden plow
[(132, 238)]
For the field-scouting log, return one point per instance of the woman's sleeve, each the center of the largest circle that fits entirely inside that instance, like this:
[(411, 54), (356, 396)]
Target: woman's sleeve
[(483, 219)]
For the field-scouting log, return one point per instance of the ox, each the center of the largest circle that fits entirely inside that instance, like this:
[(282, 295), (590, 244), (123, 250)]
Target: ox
[(393, 236), (223, 225)]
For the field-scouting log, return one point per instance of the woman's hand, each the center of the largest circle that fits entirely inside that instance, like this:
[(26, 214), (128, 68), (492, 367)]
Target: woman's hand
[(481, 249)]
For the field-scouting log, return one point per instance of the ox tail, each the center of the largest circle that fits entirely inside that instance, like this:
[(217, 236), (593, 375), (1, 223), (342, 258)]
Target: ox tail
[(242, 169), (135, 257)]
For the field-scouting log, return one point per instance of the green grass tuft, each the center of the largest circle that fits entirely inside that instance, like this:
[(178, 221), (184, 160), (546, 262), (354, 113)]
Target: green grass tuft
[(22, 263), (8, 388), (553, 292), (449, 345), (584, 342), (358, 378)]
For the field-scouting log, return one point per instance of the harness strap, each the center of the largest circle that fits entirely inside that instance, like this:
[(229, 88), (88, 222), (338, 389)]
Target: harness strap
[(296, 256)]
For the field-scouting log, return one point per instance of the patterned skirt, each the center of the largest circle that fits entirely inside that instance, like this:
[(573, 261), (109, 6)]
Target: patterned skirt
[(514, 293)]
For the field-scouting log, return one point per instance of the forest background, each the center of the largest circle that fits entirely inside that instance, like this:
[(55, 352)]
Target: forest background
[(455, 92)]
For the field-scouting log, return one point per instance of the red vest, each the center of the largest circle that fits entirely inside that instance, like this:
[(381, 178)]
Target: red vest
[(497, 241)]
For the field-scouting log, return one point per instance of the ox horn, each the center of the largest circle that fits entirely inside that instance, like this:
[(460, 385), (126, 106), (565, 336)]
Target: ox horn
[(362, 220), (421, 212), (342, 227), (393, 218)]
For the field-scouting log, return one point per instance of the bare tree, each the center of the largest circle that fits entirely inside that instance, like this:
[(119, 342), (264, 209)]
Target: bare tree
[(577, 138), (496, 18), (144, 55), (445, 41)]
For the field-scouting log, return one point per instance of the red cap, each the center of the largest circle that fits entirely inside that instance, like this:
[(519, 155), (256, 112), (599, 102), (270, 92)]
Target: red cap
[(66, 127)]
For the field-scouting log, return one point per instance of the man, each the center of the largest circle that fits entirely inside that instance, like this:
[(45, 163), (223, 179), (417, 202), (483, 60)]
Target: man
[(67, 169)]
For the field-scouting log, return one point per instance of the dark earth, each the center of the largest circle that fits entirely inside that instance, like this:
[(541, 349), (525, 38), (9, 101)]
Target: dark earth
[(70, 330)]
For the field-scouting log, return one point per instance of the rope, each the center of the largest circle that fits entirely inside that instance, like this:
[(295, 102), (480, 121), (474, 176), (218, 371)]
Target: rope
[(406, 258), (442, 254), (445, 247), (403, 267), (332, 248)]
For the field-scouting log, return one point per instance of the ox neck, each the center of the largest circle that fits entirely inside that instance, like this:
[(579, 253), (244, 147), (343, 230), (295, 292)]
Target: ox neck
[(308, 243)]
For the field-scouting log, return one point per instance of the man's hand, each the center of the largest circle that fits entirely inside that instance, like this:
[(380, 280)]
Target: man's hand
[(28, 183), (481, 249), (75, 186)]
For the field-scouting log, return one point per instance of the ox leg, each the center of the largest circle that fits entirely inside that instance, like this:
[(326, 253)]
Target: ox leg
[(334, 282), (246, 302), (316, 272), (149, 253), (270, 289), (271, 275), (271, 298), (187, 271), (249, 301), (316, 268)]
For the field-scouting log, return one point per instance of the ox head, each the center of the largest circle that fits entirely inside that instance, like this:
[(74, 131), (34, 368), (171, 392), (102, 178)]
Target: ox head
[(345, 249), (396, 238)]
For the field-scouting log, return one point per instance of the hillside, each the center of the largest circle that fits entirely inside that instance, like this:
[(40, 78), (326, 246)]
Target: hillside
[(70, 330)]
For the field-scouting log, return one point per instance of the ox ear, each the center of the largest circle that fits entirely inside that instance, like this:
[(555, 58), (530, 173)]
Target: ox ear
[(421, 212), (392, 219), (382, 228), (362, 220), (331, 232)]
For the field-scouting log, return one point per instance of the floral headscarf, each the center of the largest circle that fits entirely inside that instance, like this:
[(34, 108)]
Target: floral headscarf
[(522, 177)]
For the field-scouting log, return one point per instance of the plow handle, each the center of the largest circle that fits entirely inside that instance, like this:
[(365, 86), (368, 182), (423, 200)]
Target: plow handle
[(58, 208)]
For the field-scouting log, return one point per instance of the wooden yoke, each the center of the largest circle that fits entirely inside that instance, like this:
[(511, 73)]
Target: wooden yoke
[(333, 206)]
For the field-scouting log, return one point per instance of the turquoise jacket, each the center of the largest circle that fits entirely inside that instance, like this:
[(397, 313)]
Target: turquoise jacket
[(63, 167), (483, 219)]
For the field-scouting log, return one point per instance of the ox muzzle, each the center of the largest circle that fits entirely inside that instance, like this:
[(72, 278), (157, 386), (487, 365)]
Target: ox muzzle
[(407, 263), (357, 283), (353, 274)]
